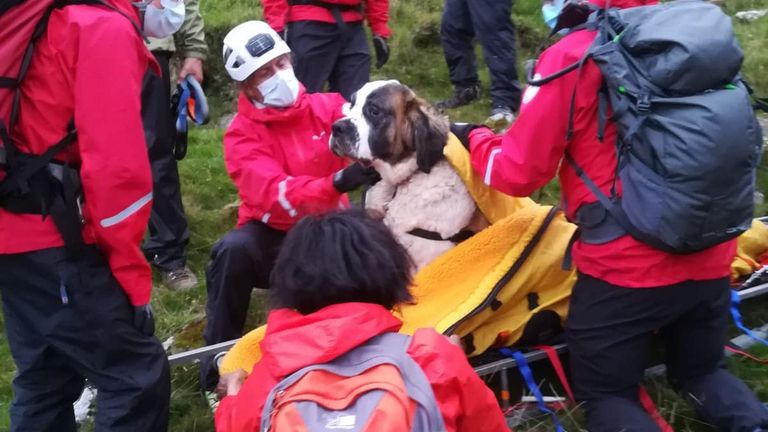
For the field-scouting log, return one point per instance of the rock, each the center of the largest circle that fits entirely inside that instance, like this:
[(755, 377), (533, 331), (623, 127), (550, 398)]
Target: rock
[(168, 343), (751, 15), (83, 405)]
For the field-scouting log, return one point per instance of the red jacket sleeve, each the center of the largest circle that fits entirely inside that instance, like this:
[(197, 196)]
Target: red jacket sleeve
[(242, 412), (115, 172), (263, 184), (377, 14), (528, 154), (275, 12), (467, 404)]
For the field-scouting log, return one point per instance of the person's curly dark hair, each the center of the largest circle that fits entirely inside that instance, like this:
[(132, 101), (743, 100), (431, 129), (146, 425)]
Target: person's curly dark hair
[(341, 257)]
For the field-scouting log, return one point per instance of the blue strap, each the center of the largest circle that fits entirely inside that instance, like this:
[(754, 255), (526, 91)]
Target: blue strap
[(525, 371), (735, 302)]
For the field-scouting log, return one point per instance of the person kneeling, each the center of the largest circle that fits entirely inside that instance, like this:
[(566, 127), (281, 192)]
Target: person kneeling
[(335, 281), (276, 152)]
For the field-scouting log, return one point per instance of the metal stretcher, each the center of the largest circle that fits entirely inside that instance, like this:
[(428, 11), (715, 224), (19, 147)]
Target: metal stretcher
[(498, 366)]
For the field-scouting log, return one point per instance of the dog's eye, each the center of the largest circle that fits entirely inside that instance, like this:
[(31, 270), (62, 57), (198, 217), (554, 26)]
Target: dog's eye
[(372, 111)]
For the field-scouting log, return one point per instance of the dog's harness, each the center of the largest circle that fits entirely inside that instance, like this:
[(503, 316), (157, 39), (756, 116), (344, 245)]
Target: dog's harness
[(431, 235)]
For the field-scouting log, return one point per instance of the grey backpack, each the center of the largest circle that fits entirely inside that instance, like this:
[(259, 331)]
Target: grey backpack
[(688, 141), (376, 386)]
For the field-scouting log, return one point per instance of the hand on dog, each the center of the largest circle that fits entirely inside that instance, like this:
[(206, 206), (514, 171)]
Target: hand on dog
[(354, 176), (462, 131), (230, 383)]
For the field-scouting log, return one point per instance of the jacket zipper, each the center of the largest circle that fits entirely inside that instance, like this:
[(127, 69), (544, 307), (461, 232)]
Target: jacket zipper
[(509, 274)]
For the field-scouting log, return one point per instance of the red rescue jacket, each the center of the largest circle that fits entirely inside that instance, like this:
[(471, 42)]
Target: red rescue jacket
[(294, 341), (530, 153), (88, 66), (279, 12), (280, 161)]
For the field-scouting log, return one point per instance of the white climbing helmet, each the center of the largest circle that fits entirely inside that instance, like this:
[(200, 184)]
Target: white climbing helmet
[(250, 46)]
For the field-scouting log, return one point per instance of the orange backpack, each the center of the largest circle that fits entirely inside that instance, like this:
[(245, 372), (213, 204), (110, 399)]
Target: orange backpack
[(375, 387)]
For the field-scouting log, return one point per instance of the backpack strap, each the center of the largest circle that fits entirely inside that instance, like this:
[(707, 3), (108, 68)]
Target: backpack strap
[(602, 111), (610, 226), (572, 106), (17, 181), (387, 348)]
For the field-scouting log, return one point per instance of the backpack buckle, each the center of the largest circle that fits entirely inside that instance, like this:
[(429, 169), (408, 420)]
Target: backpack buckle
[(644, 103)]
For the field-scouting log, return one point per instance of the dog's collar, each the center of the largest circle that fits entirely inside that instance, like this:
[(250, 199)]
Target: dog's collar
[(431, 235)]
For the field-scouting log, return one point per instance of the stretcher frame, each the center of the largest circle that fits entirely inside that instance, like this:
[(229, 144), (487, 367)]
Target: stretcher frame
[(198, 354)]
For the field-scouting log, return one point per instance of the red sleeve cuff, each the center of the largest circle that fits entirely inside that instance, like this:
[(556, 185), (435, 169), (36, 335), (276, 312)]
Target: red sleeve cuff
[(381, 29)]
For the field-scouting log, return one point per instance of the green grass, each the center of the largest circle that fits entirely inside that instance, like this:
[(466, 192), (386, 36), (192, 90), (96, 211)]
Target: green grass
[(417, 61)]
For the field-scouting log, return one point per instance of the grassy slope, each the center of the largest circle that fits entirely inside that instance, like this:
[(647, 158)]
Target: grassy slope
[(416, 61)]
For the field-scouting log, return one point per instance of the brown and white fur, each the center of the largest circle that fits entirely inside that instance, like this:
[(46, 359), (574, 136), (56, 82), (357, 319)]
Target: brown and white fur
[(403, 137)]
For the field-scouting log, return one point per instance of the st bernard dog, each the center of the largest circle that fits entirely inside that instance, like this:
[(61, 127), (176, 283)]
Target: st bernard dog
[(422, 199)]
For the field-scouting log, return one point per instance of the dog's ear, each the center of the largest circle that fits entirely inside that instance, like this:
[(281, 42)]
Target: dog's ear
[(429, 133)]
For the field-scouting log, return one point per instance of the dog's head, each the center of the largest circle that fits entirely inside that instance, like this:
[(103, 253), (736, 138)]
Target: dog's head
[(386, 121)]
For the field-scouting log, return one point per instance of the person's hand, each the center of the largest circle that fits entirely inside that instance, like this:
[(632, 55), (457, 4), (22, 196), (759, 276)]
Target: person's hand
[(230, 383), (456, 340), (354, 176), (462, 131), (192, 66), (144, 319), (382, 50)]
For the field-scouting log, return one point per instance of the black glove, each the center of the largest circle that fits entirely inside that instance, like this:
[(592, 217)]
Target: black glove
[(382, 50), (462, 130), (144, 319), (354, 176)]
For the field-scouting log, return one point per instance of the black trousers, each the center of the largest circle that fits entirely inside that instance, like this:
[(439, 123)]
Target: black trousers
[(489, 21), (168, 230), (324, 53), (609, 330), (68, 320), (241, 261)]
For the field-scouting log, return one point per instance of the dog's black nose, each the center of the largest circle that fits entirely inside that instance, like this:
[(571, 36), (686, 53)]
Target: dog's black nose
[(341, 127)]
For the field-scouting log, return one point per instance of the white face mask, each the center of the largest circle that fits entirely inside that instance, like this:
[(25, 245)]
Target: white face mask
[(160, 23), (280, 90)]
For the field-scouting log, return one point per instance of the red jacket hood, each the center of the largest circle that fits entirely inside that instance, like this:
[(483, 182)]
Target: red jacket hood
[(246, 107), (322, 336)]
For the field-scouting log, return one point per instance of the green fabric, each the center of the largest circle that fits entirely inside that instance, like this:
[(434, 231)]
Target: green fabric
[(189, 41)]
